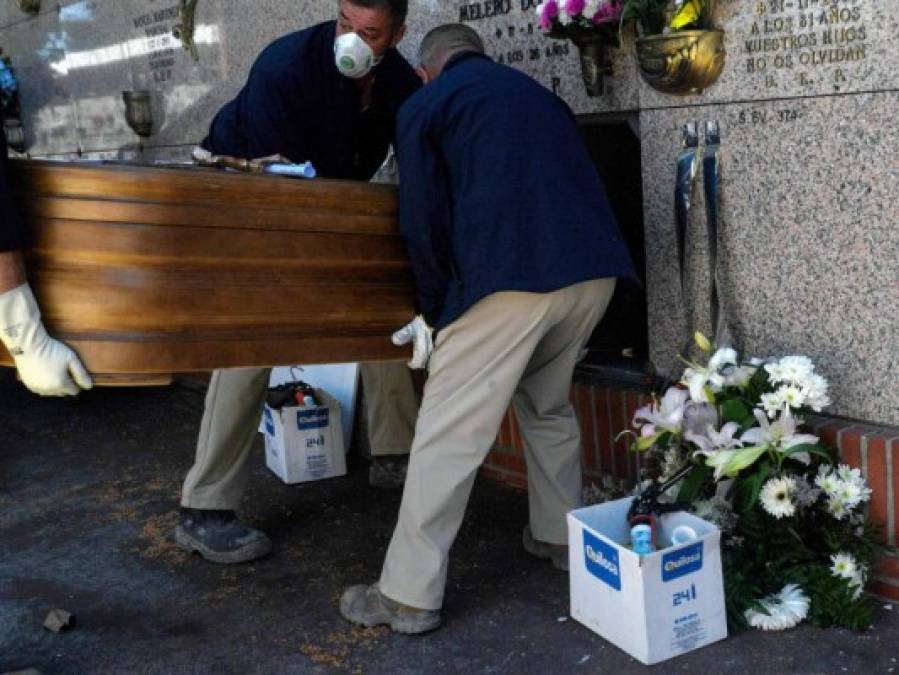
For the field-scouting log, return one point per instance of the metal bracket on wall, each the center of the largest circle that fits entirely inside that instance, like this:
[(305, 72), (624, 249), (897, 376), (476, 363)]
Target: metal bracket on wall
[(184, 31)]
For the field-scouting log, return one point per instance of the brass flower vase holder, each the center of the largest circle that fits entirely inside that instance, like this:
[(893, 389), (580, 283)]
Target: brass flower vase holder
[(593, 47), (685, 62)]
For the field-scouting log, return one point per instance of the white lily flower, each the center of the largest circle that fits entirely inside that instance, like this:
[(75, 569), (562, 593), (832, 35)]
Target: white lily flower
[(780, 435), (668, 415), (740, 376), (721, 358), (714, 441), (697, 378)]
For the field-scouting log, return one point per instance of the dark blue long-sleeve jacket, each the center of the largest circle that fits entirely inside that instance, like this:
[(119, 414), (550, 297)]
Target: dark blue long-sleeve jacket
[(297, 104), (498, 192), (12, 232)]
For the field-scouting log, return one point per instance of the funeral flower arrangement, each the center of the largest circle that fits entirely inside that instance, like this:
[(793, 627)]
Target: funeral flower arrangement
[(796, 545), (564, 18), (653, 17)]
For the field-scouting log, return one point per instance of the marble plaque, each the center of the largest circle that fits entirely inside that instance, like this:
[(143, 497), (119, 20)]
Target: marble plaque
[(35, 46), (513, 36), (808, 239), (797, 48)]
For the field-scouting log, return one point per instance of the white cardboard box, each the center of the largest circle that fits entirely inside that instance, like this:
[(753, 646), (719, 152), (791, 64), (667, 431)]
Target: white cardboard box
[(304, 444), (654, 607)]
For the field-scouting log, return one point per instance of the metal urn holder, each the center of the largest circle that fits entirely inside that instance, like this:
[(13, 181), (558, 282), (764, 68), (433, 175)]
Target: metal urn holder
[(139, 112), (685, 62)]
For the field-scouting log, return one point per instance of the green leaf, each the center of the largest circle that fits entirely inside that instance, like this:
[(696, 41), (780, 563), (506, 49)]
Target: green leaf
[(751, 487), (734, 410), (692, 485), (743, 459), (645, 442), (811, 449)]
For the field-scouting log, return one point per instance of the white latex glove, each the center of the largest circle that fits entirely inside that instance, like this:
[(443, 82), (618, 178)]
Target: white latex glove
[(46, 366), (420, 334)]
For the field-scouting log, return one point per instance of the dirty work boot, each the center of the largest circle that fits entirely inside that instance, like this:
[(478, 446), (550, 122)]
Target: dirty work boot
[(367, 606), (220, 537), (388, 472), (557, 553)]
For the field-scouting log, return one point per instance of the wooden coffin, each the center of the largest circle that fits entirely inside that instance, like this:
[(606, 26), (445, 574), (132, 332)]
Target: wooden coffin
[(147, 272)]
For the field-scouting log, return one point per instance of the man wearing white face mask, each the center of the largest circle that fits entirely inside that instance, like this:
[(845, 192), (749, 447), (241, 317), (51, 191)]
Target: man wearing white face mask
[(329, 95), (46, 366)]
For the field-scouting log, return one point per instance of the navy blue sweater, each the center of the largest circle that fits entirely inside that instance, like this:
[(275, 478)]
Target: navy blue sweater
[(297, 104), (12, 234), (497, 191)]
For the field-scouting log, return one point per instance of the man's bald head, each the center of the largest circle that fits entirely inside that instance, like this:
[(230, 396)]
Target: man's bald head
[(444, 42)]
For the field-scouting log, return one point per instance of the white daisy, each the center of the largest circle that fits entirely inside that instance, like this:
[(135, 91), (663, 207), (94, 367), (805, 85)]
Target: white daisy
[(827, 481), (846, 472), (850, 494), (836, 508), (772, 403), (777, 496), (844, 565), (857, 582), (791, 396), (781, 610)]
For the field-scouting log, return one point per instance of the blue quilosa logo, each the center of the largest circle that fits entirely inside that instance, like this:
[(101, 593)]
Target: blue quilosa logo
[(682, 562), (269, 422), (601, 560), (312, 419)]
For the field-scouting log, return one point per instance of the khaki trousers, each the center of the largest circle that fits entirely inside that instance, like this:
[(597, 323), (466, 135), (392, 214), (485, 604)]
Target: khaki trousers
[(510, 347), (234, 400), (391, 407)]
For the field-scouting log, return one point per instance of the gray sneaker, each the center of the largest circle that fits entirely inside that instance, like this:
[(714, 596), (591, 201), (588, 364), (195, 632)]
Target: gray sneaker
[(388, 472), (220, 537), (557, 553), (367, 606)]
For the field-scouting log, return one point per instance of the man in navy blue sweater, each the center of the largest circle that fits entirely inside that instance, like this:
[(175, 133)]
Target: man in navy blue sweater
[(516, 255), (330, 95)]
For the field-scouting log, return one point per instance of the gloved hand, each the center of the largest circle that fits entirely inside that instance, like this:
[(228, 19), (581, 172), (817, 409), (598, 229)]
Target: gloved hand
[(46, 366), (420, 334)]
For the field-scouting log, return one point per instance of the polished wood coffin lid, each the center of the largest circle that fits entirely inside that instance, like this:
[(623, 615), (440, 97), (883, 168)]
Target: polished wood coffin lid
[(147, 272)]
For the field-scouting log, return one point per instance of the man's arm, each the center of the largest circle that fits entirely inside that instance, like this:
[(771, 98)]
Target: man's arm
[(425, 210), (45, 365)]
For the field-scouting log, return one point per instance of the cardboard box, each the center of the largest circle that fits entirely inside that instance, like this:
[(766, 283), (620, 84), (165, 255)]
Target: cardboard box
[(304, 444), (656, 606)]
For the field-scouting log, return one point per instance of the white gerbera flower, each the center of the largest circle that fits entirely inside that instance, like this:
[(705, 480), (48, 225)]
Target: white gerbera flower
[(777, 496), (781, 610), (844, 565)]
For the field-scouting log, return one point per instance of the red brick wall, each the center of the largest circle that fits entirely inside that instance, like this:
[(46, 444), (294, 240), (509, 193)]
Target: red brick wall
[(604, 412)]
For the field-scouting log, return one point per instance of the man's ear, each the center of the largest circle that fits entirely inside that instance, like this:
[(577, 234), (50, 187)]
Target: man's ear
[(423, 74), (398, 35)]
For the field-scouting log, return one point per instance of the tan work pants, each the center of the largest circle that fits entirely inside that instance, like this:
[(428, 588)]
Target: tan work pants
[(234, 400), (518, 347)]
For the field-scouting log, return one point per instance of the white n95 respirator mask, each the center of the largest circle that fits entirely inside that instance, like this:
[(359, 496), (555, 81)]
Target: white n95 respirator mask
[(353, 56)]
